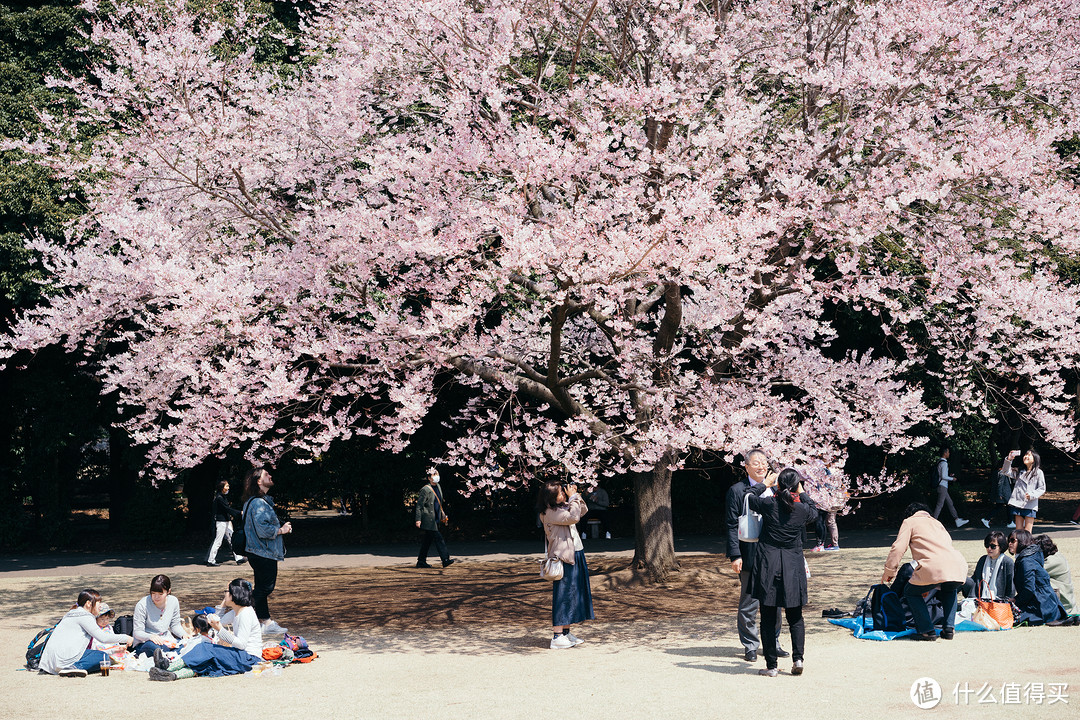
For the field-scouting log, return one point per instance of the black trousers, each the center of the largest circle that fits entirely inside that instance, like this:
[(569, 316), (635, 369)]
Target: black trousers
[(770, 621), (265, 571), (440, 546)]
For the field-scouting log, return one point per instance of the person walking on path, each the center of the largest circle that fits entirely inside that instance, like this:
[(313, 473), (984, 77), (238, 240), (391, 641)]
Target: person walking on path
[(560, 508), (937, 563), (778, 576), (430, 511), (943, 480), (223, 529), (1029, 487), (265, 546), (742, 554)]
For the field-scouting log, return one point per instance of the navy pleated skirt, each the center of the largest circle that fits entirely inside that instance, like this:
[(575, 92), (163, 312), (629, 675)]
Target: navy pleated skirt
[(571, 597)]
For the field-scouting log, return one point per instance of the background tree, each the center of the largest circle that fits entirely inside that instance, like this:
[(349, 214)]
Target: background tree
[(633, 228)]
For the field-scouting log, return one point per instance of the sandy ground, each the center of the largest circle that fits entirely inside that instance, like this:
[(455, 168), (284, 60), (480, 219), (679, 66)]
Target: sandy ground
[(470, 641)]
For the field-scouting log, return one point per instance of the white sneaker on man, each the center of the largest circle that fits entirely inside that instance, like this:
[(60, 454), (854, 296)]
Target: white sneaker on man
[(574, 639), (561, 642), (273, 628), (986, 523), (1011, 525), (961, 523)]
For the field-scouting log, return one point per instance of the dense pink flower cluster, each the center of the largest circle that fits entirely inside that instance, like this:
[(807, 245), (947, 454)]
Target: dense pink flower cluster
[(628, 224)]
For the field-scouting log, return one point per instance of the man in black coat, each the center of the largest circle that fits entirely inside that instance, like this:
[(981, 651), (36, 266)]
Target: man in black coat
[(741, 555)]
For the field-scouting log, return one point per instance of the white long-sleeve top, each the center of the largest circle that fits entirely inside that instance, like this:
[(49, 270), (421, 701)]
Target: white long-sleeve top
[(246, 632), (71, 638), (149, 622)]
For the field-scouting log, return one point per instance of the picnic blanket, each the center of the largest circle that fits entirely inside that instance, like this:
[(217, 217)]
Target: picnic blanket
[(856, 626)]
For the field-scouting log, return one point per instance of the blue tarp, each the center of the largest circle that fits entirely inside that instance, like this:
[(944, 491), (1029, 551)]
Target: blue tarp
[(856, 626)]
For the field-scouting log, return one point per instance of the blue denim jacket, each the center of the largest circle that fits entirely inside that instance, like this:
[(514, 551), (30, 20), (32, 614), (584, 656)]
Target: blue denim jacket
[(261, 529)]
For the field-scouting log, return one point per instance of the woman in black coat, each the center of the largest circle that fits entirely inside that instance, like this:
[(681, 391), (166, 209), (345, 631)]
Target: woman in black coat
[(223, 530), (778, 578)]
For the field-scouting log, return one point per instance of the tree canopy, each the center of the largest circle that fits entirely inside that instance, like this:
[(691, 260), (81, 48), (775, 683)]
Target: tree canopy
[(634, 228)]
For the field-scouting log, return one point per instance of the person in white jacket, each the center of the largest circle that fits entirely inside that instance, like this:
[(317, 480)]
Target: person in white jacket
[(66, 652)]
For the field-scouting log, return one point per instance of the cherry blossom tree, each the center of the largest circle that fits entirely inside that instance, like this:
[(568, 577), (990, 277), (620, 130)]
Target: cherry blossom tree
[(634, 227)]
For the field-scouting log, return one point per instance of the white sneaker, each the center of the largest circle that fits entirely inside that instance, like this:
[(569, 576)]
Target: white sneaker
[(273, 628), (607, 535), (72, 672), (1011, 525), (986, 523), (961, 523), (574, 639), (562, 642)]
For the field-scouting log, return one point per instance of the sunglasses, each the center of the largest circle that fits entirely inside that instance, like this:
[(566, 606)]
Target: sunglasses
[(993, 546), (1012, 540)]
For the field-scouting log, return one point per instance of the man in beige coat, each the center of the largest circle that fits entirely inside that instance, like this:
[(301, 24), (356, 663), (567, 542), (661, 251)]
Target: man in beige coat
[(937, 563)]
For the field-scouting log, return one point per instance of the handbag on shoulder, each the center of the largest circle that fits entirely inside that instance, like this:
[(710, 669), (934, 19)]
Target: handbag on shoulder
[(551, 568), (749, 522)]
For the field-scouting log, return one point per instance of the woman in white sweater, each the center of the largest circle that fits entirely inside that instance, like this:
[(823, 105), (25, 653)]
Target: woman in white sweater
[(1030, 486), (66, 653), (244, 639)]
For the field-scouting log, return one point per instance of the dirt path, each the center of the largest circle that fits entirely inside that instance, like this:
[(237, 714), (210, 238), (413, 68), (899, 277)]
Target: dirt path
[(470, 641)]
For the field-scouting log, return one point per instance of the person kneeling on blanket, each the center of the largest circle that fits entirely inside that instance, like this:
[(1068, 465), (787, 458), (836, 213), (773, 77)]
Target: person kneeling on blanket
[(937, 564), (216, 660)]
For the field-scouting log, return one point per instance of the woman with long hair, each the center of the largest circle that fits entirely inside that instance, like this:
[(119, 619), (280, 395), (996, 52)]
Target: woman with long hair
[(265, 546), (1030, 486), (560, 508), (223, 516), (778, 577), (1036, 599)]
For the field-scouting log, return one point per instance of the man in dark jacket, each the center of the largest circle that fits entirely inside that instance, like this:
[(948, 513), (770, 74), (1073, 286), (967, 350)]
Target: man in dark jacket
[(741, 555), (429, 513)]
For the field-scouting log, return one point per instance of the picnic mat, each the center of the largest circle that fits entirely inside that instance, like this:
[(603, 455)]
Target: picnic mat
[(856, 626)]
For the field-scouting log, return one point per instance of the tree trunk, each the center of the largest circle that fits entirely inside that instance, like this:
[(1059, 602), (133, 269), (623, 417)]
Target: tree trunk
[(654, 543)]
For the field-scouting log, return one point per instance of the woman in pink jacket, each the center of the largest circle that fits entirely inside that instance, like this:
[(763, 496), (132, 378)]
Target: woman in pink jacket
[(937, 563), (560, 508)]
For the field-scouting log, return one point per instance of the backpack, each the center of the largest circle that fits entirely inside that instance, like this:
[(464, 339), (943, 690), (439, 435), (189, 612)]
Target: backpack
[(239, 536), (885, 608), (36, 647), (935, 475), (124, 625)]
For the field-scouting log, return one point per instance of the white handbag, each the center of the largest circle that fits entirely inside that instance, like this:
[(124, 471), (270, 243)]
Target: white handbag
[(551, 569), (749, 522)]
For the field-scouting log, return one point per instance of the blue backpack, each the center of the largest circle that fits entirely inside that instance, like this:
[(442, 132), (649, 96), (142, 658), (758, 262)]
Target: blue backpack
[(885, 608), (37, 647)]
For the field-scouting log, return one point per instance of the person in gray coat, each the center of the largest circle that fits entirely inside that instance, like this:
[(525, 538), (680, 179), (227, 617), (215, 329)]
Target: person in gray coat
[(429, 513)]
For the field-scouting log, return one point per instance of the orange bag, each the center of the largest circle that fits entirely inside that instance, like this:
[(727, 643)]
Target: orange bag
[(1001, 612), (272, 653)]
